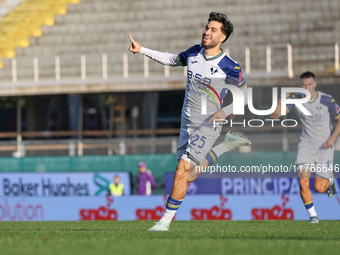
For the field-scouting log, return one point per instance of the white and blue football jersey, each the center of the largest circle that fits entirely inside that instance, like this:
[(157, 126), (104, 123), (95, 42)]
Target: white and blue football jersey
[(207, 78), (317, 127)]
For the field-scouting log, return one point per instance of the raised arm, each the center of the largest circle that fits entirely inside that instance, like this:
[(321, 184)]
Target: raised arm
[(161, 57)]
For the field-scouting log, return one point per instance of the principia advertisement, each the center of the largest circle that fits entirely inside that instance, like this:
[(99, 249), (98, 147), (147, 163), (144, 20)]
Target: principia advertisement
[(60, 184), (244, 186), (194, 207)]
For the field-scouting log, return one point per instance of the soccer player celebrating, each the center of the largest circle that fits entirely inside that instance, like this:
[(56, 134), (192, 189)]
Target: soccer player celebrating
[(316, 146), (209, 70)]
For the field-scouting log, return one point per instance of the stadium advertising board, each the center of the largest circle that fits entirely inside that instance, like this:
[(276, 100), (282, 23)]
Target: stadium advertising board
[(60, 184), (196, 207), (244, 186)]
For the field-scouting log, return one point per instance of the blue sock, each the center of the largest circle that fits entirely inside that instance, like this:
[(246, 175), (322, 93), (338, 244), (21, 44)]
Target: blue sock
[(172, 206), (311, 209), (309, 205), (211, 157)]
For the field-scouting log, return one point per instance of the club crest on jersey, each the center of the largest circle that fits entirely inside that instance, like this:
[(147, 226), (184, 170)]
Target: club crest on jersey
[(213, 70)]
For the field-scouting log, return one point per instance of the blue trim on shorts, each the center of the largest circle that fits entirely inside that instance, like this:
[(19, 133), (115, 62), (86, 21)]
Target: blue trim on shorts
[(192, 158)]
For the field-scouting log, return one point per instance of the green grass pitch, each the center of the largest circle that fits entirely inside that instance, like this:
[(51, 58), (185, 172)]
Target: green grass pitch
[(184, 237)]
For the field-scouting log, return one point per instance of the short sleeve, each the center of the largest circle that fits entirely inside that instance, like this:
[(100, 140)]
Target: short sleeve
[(235, 76), (334, 109)]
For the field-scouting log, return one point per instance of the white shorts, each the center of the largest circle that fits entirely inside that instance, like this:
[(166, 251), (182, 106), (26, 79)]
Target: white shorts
[(194, 144), (317, 159)]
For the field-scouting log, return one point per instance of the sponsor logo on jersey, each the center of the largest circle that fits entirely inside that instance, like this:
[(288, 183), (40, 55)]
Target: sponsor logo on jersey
[(198, 80), (237, 67), (319, 108), (194, 62)]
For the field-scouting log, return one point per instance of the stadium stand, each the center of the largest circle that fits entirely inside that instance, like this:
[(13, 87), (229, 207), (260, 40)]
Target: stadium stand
[(26, 20), (94, 32), (7, 5), (101, 27)]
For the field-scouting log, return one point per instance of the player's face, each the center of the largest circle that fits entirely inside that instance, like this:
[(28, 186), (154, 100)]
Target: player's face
[(309, 84), (212, 35)]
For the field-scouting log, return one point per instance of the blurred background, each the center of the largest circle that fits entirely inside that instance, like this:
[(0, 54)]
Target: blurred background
[(71, 91)]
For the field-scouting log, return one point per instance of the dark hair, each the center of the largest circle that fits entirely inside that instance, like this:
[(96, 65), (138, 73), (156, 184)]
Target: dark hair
[(227, 26), (307, 75)]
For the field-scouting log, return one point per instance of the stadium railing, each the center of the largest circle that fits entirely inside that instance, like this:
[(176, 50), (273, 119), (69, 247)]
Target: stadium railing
[(80, 73), (98, 142)]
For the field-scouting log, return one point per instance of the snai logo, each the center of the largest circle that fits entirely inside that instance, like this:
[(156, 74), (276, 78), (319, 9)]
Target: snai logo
[(276, 213), (214, 213), (151, 214), (102, 213)]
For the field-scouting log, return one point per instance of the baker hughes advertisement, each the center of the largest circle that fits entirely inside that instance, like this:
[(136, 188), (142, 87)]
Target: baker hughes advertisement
[(60, 184)]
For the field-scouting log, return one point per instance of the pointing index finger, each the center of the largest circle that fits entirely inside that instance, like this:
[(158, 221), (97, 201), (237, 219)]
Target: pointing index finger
[(131, 38)]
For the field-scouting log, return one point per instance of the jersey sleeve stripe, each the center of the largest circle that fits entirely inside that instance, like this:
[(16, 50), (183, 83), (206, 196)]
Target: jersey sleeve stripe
[(245, 84), (179, 60)]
